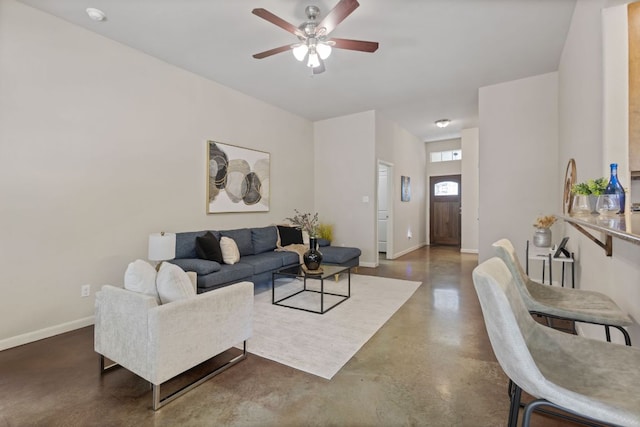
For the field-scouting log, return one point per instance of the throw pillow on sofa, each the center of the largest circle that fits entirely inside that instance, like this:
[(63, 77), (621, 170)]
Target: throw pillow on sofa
[(289, 235), (140, 276), (173, 283), (230, 252), (208, 247)]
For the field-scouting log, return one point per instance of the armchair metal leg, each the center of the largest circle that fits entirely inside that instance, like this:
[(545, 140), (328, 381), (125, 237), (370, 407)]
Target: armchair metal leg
[(159, 402), (104, 368)]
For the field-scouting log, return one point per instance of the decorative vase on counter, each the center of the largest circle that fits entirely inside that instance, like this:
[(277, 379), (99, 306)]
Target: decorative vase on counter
[(542, 237), (581, 205), (313, 257), (614, 186)]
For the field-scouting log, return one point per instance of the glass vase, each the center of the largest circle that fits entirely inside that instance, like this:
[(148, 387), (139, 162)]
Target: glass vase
[(614, 186), (581, 205)]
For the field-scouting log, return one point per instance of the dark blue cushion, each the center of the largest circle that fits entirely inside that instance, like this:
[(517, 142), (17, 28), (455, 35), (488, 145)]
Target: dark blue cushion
[(200, 266), (266, 261), (264, 239), (242, 237), (338, 254), (323, 242), (228, 274)]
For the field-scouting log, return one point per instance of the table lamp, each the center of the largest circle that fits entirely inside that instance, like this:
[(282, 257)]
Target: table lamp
[(162, 247)]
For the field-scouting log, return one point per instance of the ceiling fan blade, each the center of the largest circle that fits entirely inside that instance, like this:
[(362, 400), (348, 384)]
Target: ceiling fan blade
[(338, 14), (272, 51), (360, 45), (276, 20)]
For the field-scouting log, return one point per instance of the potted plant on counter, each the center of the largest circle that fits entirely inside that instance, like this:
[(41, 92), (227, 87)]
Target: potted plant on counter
[(585, 196)]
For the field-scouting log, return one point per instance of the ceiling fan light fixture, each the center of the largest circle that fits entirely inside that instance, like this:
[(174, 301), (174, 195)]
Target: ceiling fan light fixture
[(300, 51), (443, 123), (314, 44), (313, 61), (324, 50)]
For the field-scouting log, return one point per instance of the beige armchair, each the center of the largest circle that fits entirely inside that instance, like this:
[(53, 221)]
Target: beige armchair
[(158, 342)]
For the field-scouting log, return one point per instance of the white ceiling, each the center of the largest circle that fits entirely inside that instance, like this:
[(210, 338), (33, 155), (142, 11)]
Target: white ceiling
[(433, 55)]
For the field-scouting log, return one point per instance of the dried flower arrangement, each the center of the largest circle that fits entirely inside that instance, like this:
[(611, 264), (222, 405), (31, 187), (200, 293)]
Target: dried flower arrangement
[(306, 222), (545, 221)]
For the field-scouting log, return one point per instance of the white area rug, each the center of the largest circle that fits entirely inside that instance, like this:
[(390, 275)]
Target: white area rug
[(321, 344)]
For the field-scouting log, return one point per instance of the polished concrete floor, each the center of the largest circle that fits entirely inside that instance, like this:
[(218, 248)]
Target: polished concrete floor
[(431, 364)]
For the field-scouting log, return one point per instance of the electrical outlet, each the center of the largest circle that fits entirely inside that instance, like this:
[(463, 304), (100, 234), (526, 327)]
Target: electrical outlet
[(85, 290)]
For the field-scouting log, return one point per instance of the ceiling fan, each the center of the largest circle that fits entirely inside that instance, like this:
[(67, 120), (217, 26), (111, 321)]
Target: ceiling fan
[(314, 42)]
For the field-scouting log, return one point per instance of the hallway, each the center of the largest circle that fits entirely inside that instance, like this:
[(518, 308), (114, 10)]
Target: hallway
[(431, 364)]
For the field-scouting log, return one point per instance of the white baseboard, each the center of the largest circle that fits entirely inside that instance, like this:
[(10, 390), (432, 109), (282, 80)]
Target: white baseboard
[(468, 251), (368, 264), (406, 251), (45, 333)]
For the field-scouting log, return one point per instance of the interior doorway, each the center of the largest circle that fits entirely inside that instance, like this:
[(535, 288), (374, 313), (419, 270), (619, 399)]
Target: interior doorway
[(445, 210), (385, 210)]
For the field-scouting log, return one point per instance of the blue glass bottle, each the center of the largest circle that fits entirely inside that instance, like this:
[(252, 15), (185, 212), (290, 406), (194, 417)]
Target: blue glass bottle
[(614, 186)]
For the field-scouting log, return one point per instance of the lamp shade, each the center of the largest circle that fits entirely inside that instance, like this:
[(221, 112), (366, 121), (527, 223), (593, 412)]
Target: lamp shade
[(324, 50), (162, 246), (313, 61), (300, 51)]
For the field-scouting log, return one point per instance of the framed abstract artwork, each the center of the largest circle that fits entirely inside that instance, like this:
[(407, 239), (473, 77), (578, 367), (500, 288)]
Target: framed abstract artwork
[(405, 188), (237, 179)]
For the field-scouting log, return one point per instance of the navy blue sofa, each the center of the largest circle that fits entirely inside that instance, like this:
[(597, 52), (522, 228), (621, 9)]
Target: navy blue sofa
[(258, 257)]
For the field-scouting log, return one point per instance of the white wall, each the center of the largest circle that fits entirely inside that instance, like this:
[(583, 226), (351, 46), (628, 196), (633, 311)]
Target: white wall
[(518, 159), (346, 155), (470, 189), (407, 154), (581, 135), (101, 145), (346, 174)]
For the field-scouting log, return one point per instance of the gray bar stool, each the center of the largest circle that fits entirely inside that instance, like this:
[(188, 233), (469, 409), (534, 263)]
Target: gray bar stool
[(580, 376), (564, 303)]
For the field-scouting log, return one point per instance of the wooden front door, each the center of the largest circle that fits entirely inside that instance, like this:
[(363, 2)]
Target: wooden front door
[(444, 223)]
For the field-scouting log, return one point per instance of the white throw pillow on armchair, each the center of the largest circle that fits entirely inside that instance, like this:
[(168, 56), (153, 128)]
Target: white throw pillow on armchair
[(140, 276), (173, 283)]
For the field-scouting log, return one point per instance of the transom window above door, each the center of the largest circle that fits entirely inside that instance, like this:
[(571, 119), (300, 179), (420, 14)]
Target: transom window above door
[(446, 188), (445, 156)]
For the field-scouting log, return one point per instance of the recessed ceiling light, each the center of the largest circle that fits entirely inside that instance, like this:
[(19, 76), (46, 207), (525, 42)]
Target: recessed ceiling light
[(96, 14), (443, 123)]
